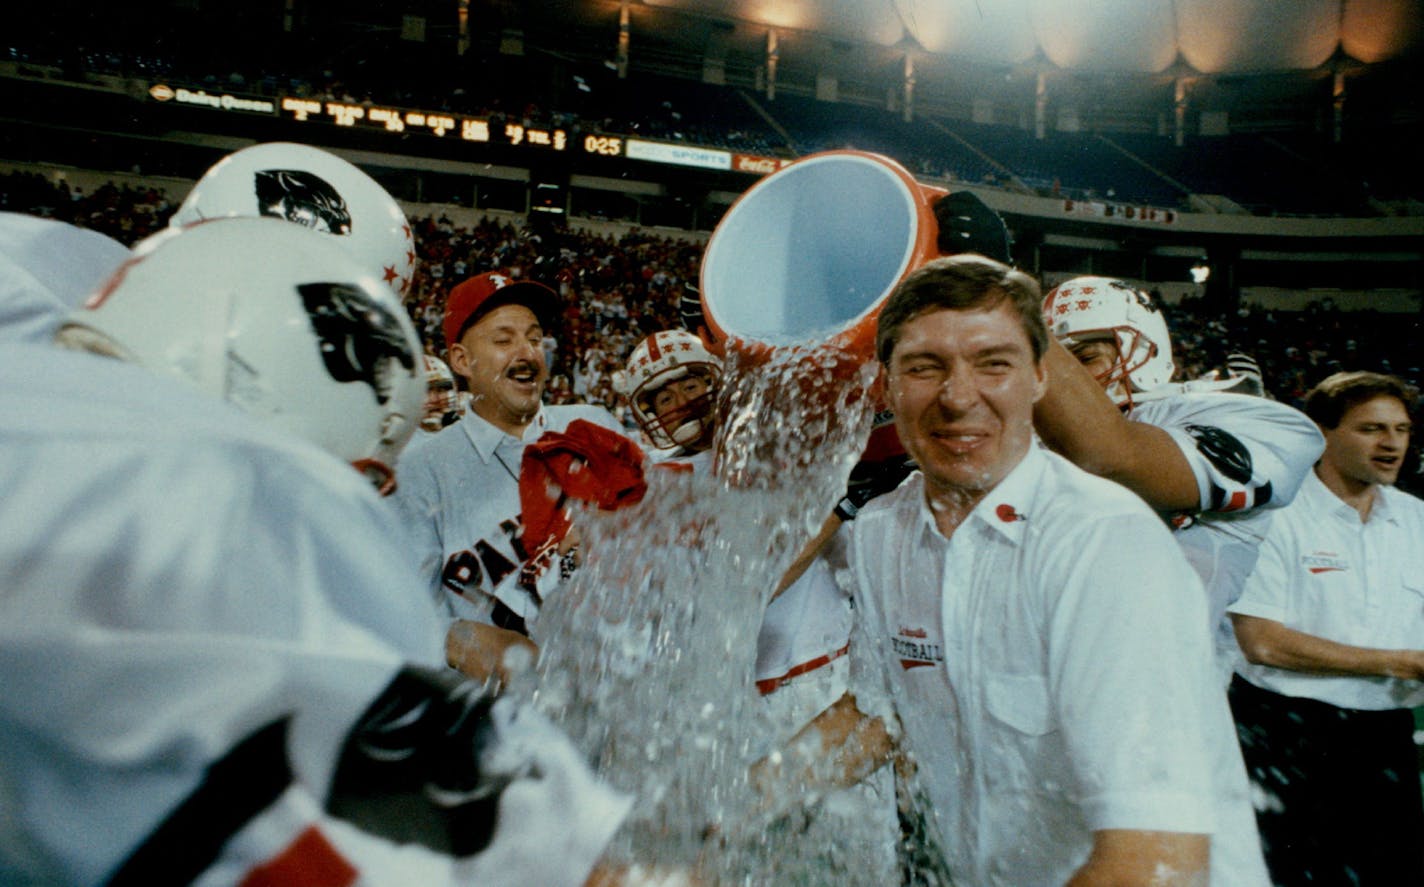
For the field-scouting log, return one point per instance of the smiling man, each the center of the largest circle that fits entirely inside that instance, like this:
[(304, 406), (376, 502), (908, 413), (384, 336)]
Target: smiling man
[(1044, 638), (1332, 624), (459, 489)]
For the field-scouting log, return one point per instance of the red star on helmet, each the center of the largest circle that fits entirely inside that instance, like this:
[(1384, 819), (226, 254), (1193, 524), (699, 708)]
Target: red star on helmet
[(1084, 304), (410, 257), (406, 229), (390, 273), (1089, 290), (1061, 308)]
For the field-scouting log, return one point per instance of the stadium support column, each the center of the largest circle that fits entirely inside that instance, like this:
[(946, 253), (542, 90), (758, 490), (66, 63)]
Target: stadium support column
[(549, 195), (1179, 112), (772, 56), (624, 38), (1040, 106), (1337, 94), (463, 43), (1222, 294), (908, 113)]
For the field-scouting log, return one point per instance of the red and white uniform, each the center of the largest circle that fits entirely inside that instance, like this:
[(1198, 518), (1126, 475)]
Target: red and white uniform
[(1249, 455), (197, 613)]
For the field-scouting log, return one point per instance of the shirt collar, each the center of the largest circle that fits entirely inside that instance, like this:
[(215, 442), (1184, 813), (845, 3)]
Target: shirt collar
[(1009, 505), (485, 437), (1325, 499)]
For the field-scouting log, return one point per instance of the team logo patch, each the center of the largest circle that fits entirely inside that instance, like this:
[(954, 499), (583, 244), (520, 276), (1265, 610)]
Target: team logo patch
[(1229, 456), (359, 336), (914, 650), (1324, 562), (1006, 513), (302, 197)]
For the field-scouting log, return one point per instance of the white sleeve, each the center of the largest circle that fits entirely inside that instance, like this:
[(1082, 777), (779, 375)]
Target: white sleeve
[(1129, 667), (1246, 452)]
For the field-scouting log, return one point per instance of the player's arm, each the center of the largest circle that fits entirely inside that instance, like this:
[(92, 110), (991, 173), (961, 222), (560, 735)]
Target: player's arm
[(1130, 858), (1076, 418), (483, 652), (1268, 642), (836, 749), (808, 554)]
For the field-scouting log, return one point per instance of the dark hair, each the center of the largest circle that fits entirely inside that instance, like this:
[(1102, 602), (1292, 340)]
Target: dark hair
[(958, 283), (1328, 402)]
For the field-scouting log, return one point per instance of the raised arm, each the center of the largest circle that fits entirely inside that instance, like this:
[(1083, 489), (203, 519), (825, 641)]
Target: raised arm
[(1078, 420)]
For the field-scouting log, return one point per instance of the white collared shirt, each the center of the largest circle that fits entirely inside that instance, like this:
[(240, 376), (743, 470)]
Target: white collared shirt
[(1325, 572), (458, 494), (1053, 674)]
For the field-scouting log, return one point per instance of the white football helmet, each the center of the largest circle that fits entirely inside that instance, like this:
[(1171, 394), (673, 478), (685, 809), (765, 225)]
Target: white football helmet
[(441, 398), (314, 188), (658, 360), (1088, 308), (281, 322)]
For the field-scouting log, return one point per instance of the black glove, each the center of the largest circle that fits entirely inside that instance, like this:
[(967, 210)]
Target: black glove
[(871, 479), (968, 225)]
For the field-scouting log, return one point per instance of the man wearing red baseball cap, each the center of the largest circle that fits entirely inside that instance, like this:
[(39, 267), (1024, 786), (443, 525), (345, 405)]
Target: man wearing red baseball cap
[(459, 490)]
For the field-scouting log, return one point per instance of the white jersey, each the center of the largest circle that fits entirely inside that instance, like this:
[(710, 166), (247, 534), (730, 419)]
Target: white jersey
[(458, 496), (1052, 675), (195, 610), (47, 269), (1249, 455)]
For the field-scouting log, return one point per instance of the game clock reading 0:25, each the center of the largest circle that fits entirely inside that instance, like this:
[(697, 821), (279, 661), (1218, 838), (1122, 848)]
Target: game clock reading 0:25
[(608, 146)]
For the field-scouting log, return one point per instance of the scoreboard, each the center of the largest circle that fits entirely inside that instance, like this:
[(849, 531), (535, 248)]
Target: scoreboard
[(459, 127)]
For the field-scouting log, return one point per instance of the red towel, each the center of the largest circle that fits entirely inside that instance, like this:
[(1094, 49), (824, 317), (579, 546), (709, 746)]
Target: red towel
[(587, 463)]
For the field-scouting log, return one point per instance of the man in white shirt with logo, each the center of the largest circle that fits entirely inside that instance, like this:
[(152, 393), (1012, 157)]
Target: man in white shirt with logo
[(1045, 641), (1331, 622), (459, 490)]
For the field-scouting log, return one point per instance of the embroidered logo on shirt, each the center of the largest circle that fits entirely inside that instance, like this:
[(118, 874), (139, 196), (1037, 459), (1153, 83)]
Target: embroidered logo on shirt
[(914, 650), (1006, 513), (1324, 562)]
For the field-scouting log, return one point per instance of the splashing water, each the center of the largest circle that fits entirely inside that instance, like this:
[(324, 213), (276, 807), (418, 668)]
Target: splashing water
[(648, 656)]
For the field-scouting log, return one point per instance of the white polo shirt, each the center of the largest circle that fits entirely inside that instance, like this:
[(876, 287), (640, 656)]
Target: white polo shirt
[(1052, 669), (1327, 573)]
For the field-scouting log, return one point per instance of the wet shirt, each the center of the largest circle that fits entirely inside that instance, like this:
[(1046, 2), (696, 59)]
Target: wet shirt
[(1325, 572), (1052, 673), (458, 497)]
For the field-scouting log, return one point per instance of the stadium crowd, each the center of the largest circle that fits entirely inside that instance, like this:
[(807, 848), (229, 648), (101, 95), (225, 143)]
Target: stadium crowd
[(617, 290)]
